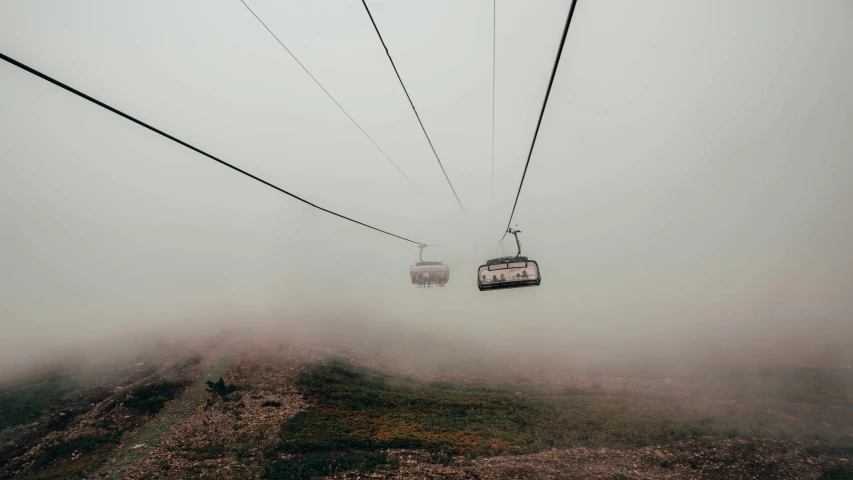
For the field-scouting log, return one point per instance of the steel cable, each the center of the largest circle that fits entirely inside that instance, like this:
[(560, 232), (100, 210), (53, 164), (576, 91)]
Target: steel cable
[(185, 144), (542, 112)]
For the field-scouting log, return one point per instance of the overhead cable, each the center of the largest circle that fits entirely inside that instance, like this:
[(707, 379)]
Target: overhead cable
[(330, 95), (413, 106), (542, 112), (494, 36), (185, 144)]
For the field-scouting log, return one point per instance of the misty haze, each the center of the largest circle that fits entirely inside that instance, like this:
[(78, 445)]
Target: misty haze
[(323, 285)]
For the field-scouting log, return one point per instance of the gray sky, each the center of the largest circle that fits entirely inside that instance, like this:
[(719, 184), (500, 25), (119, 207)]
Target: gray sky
[(691, 182)]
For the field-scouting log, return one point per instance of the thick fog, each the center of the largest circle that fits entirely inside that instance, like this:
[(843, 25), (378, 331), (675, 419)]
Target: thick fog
[(689, 193)]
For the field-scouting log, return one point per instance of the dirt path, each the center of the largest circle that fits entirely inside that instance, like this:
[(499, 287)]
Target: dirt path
[(148, 437)]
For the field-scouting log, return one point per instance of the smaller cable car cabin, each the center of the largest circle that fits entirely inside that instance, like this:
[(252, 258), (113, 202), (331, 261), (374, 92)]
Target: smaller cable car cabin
[(428, 274), (509, 272)]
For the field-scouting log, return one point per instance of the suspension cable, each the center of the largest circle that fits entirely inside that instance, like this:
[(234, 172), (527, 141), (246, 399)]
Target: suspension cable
[(413, 107), (330, 95), (494, 36), (185, 144), (542, 112)]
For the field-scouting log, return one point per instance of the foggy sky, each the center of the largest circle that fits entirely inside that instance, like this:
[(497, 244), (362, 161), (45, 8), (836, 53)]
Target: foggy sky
[(691, 185)]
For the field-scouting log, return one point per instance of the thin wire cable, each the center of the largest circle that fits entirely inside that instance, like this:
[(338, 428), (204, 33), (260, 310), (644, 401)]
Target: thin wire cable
[(542, 112), (494, 35), (185, 144), (413, 107), (330, 96)]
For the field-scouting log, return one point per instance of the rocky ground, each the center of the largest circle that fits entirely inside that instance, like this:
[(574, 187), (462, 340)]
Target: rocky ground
[(157, 417), (700, 457)]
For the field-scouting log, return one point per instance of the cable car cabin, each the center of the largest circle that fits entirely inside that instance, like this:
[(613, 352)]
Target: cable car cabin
[(428, 274), (508, 272)]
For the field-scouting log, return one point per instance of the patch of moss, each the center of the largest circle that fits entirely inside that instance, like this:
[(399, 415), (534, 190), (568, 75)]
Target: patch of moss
[(151, 398)]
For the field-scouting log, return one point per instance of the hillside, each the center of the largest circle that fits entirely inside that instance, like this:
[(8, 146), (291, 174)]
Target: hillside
[(313, 411)]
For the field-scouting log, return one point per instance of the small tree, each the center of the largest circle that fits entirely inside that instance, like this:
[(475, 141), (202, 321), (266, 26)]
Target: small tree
[(220, 387)]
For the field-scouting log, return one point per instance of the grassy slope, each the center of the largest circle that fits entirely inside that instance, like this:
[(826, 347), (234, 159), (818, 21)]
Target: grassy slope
[(357, 413), (358, 410)]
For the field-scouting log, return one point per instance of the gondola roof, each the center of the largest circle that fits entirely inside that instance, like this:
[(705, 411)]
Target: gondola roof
[(498, 261)]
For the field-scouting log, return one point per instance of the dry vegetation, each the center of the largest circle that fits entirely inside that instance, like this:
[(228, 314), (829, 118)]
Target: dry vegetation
[(313, 412)]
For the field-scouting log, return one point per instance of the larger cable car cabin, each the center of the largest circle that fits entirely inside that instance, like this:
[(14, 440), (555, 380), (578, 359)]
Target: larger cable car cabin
[(509, 272), (428, 274)]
